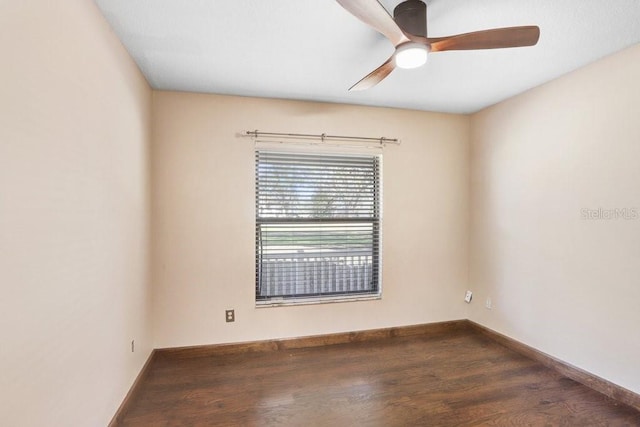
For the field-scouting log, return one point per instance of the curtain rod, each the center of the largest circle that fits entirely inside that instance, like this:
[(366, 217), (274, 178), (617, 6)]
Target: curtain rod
[(323, 137)]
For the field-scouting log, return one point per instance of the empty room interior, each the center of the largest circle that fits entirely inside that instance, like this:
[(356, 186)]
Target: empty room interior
[(257, 213)]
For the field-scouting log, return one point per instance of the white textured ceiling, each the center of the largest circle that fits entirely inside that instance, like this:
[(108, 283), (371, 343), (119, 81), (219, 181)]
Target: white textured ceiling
[(315, 50)]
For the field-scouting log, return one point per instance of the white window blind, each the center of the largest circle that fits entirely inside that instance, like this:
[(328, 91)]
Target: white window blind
[(317, 225)]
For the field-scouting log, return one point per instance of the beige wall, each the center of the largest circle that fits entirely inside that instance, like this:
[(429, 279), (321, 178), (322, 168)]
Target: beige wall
[(565, 285), (203, 218), (74, 120)]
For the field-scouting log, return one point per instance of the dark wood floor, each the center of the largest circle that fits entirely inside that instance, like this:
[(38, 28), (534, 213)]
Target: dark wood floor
[(461, 378)]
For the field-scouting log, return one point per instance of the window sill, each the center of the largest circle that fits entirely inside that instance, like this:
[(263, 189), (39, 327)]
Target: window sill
[(314, 301)]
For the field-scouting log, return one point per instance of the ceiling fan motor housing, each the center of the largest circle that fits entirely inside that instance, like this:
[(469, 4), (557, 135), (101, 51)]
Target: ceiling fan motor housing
[(411, 17)]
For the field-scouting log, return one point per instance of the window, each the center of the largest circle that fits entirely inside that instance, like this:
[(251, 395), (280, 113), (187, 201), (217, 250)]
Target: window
[(317, 226)]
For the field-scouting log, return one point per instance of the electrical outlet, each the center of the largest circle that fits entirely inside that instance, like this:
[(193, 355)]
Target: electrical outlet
[(488, 303), (468, 296), (230, 315), (133, 346)]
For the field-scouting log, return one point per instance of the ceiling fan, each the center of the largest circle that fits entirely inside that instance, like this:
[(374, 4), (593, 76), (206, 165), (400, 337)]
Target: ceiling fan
[(407, 30)]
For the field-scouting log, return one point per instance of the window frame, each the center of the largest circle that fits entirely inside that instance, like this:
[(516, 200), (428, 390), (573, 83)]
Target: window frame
[(375, 221)]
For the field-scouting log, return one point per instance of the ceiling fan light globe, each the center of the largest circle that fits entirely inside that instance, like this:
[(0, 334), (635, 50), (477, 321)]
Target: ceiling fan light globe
[(411, 55)]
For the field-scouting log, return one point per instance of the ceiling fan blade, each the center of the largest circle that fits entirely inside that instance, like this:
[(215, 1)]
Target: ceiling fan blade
[(488, 39), (372, 13), (376, 76)]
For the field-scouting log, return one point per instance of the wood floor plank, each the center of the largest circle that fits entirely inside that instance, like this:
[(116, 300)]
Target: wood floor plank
[(461, 378)]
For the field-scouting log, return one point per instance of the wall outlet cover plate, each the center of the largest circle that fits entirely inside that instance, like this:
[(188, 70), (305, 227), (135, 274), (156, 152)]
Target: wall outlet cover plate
[(468, 296)]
